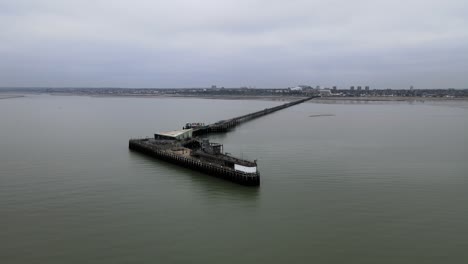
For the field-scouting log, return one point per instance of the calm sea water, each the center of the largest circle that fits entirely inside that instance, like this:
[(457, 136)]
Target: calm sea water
[(372, 183)]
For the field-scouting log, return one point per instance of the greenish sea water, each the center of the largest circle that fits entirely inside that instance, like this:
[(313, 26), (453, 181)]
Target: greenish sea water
[(366, 182)]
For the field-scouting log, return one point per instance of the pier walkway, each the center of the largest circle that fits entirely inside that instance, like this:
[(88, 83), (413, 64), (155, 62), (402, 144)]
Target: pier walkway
[(226, 125)]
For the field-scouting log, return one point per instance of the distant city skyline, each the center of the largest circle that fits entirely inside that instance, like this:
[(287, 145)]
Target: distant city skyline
[(263, 44)]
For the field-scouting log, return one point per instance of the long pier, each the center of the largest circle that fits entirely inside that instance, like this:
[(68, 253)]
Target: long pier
[(226, 125), (184, 149)]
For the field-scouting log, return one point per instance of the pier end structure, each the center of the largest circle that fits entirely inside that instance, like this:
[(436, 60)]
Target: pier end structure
[(190, 154)]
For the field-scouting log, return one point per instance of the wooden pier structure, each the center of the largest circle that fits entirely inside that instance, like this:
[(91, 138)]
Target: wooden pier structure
[(185, 149), (211, 168)]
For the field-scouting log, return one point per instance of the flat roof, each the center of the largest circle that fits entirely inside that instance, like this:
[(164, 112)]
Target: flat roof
[(174, 133)]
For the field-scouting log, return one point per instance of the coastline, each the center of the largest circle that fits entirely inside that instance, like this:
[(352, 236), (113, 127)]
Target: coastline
[(329, 99), (272, 97), (391, 99), (11, 96), (280, 98)]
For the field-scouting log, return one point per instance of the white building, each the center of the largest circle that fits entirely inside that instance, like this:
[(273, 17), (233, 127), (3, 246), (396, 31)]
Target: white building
[(297, 88), (175, 135)]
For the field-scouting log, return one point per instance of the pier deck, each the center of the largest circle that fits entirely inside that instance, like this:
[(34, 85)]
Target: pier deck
[(226, 125)]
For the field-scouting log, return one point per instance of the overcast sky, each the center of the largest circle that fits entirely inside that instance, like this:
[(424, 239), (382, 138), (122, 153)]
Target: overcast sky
[(232, 43)]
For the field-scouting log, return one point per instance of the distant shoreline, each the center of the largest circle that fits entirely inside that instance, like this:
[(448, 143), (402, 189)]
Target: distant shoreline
[(11, 96), (391, 98), (217, 97), (251, 97), (282, 98)]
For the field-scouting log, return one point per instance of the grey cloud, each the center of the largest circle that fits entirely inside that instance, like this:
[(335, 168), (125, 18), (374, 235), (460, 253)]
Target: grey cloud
[(231, 43)]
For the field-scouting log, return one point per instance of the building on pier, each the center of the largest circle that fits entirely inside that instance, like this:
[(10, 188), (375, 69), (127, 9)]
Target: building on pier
[(174, 135)]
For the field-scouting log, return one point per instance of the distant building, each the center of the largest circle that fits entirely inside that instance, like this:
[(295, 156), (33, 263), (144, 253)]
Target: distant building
[(325, 92), (359, 88), (213, 86), (367, 88), (352, 88), (297, 88)]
